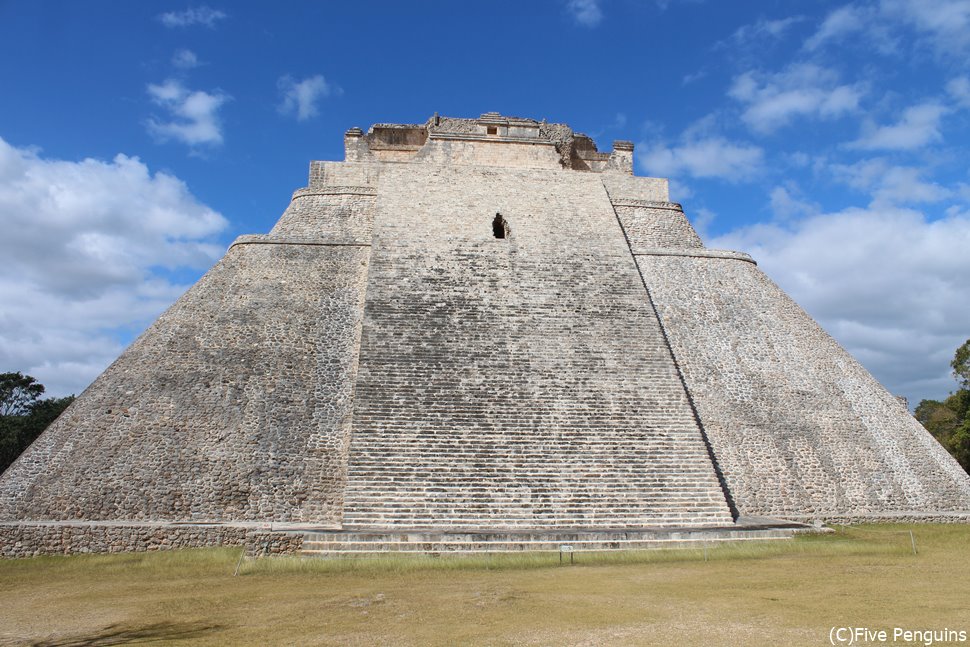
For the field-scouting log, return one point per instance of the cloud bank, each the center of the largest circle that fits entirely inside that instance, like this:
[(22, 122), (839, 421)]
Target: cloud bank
[(92, 251)]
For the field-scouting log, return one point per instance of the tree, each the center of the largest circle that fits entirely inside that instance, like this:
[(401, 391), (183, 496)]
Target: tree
[(23, 416), (961, 365), (949, 420), (17, 393)]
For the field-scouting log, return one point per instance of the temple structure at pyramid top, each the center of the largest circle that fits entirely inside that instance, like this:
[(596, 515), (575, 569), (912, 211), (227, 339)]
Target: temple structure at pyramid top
[(481, 326), (492, 139)]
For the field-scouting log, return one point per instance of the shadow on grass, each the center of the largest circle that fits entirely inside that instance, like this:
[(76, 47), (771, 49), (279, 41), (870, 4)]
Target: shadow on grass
[(121, 635)]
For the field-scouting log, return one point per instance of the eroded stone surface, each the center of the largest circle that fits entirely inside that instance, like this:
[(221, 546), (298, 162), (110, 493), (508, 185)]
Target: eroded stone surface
[(234, 405), (30, 540), (799, 428)]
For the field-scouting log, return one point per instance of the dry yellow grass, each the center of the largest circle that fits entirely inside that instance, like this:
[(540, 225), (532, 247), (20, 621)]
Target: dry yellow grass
[(787, 593)]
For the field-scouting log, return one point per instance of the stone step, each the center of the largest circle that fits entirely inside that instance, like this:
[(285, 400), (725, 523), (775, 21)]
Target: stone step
[(630, 462), (535, 480), (443, 518), (539, 486), (542, 498), (493, 509), (436, 499), (490, 515), (658, 505), (540, 459), (379, 523), (600, 435), (567, 472), (534, 445), (587, 540), (443, 494), (495, 518), (581, 455)]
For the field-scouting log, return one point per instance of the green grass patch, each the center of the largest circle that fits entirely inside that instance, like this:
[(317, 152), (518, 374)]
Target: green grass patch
[(751, 593)]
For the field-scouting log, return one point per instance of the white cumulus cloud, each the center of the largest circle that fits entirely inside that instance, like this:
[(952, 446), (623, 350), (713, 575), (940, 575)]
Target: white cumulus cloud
[(702, 157), (194, 114), (185, 59), (90, 250), (773, 100), (943, 24), (840, 23), (202, 15), (890, 184), (918, 126), (959, 91), (585, 12), (786, 202), (888, 283), (300, 98), (763, 29)]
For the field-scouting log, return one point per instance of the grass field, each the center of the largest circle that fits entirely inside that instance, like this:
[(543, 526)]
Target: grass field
[(781, 593)]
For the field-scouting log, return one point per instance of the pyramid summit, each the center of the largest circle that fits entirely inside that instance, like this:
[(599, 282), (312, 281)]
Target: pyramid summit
[(477, 328)]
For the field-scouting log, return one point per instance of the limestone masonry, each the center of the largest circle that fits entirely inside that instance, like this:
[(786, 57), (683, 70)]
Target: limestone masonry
[(473, 326)]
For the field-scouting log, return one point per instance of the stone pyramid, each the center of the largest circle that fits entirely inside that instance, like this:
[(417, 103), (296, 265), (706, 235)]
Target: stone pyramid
[(475, 325)]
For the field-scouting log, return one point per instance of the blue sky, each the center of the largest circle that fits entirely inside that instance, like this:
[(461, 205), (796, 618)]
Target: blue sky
[(828, 139)]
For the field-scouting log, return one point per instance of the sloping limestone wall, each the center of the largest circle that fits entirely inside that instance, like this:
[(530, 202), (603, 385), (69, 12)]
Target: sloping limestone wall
[(234, 405), (348, 174), (650, 225), (799, 428), (517, 382), (332, 213), (648, 220)]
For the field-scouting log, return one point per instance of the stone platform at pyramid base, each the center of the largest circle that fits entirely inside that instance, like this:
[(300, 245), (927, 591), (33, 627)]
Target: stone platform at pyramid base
[(343, 543), (33, 538)]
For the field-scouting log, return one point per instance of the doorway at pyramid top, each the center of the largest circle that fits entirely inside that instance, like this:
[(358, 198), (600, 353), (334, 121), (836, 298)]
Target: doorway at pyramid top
[(500, 226)]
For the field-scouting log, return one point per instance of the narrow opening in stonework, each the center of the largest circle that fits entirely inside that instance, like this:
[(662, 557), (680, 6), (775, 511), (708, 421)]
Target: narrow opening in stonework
[(500, 226), (491, 130)]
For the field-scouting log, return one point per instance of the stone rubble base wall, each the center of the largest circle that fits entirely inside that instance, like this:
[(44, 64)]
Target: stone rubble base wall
[(30, 540), (915, 517)]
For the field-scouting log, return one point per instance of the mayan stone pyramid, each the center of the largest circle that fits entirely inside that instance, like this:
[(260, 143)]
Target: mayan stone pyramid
[(474, 325)]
